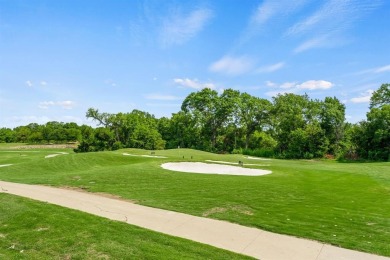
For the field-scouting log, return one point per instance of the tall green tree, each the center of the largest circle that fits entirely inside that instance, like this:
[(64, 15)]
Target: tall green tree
[(378, 133), (332, 121), (205, 107), (254, 114), (7, 135), (289, 112), (381, 96), (371, 138)]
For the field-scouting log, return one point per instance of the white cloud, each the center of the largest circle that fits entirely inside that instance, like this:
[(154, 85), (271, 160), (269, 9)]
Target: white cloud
[(271, 68), (29, 83), (364, 97), (294, 87), (43, 83), (178, 29), (315, 84), (162, 97), (67, 104), (232, 65), (193, 83)]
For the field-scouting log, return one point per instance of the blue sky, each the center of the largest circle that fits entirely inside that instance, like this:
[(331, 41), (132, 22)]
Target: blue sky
[(58, 58)]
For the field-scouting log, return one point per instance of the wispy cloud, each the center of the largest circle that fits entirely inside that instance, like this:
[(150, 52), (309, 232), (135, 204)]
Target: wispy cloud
[(316, 42), (382, 69), (110, 82), (295, 87), (363, 98), (266, 12), (269, 83), (42, 83), (232, 65), (288, 85), (193, 83), (166, 24), (269, 9), (377, 70), (178, 29), (162, 97), (330, 22), (67, 104), (271, 68), (334, 15)]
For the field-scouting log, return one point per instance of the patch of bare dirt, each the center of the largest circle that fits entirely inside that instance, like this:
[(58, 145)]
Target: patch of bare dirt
[(239, 209), (213, 211)]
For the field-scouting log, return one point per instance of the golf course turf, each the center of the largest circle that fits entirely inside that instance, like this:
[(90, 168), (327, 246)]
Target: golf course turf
[(345, 204)]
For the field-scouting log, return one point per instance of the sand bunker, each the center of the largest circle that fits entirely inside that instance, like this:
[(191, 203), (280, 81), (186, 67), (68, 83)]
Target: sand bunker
[(148, 156), (232, 163), (5, 165), (257, 158), (206, 168)]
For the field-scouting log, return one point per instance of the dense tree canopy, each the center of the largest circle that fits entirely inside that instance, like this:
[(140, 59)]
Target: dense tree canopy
[(289, 126)]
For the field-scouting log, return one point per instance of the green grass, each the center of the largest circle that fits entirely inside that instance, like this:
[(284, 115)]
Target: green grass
[(34, 230), (338, 203)]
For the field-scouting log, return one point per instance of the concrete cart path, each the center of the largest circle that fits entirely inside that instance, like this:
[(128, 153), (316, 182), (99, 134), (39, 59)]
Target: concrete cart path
[(245, 240)]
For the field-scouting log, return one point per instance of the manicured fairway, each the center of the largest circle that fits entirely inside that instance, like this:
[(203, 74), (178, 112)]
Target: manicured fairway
[(345, 204)]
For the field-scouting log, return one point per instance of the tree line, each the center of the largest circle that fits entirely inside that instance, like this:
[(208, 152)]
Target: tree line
[(288, 126)]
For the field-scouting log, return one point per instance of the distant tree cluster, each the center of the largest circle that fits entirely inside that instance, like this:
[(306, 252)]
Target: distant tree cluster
[(51, 132), (134, 130), (289, 126)]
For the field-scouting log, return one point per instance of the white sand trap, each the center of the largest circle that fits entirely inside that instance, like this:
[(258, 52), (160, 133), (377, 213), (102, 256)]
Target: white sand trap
[(144, 155), (5, 165), (206, 168), (257, 158), (51, 155), (55, 154), (232, 163)]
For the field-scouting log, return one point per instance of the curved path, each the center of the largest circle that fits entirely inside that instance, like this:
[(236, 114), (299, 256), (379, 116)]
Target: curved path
[(245, 240)]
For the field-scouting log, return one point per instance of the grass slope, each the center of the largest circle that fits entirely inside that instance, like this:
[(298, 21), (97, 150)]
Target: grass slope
[(34, 230), (345, 204)]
